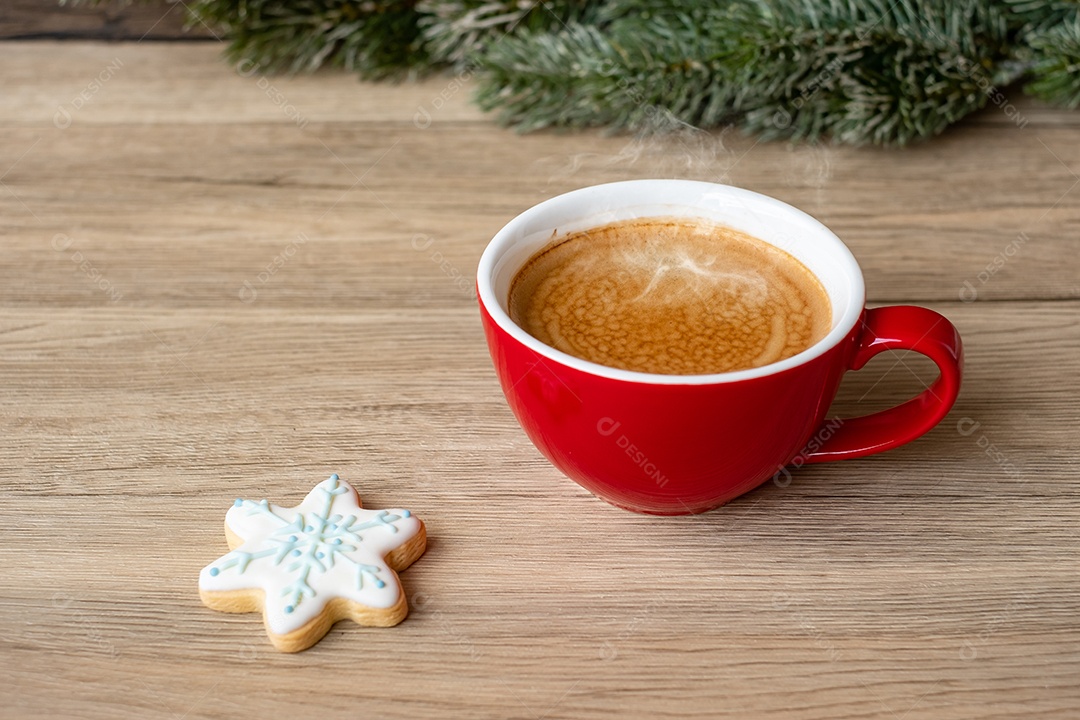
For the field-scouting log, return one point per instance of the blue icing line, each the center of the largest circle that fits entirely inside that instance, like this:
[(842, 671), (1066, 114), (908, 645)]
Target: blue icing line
[(371, 570), (240, 560)]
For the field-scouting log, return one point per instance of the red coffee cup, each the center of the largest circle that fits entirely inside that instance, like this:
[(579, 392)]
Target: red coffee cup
[(678, 444)]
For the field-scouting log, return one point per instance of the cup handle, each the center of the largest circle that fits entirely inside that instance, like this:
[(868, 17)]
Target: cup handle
[(899, 327)]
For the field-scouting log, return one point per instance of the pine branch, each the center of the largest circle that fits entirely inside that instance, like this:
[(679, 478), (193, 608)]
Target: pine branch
[(877, 72), (455, 31), (583, 77), (884, 72), (1056, 67), (1029, 16), (375, 38)]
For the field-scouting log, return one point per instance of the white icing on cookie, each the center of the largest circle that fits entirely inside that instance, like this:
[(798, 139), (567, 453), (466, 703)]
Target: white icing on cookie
[(302, 557)]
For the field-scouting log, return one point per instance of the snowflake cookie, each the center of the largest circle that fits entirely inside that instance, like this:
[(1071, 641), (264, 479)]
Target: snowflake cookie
[(309, 566)]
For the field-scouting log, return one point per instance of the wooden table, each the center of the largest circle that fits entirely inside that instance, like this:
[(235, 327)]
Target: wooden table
[(214, 285)]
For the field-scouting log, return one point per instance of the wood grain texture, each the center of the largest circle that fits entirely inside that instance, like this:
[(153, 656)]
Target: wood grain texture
[(157, 20), (145, 386)]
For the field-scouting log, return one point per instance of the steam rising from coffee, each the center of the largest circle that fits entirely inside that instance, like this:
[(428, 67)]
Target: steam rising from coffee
[(675, 274), (670, 296)]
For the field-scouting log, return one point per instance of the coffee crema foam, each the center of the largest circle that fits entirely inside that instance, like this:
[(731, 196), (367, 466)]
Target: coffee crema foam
[(670, 296)]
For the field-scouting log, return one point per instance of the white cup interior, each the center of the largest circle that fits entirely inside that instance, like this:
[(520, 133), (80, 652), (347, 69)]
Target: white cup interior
[(761, 216)]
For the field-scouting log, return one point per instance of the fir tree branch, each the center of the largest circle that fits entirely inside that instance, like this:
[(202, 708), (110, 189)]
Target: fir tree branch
[(375, 38), (885, 72), (873, 72), (1057, 64), (1029, 16), (881, 73), (585, 76), (457, 31)]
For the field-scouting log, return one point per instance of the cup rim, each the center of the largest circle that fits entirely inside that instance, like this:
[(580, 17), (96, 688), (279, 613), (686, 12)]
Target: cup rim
[(506, 237)]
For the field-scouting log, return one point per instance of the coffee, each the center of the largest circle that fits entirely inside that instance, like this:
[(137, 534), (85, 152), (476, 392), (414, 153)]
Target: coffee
[(670, 296)]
